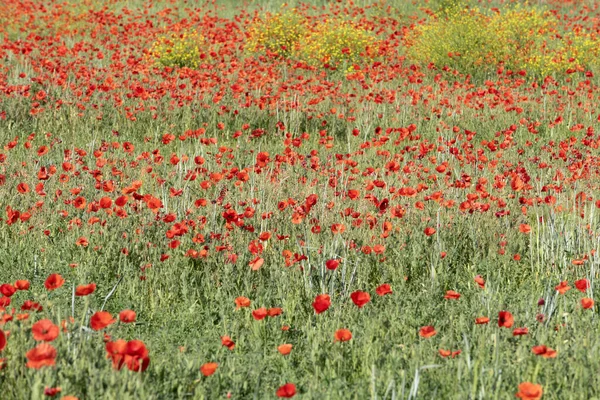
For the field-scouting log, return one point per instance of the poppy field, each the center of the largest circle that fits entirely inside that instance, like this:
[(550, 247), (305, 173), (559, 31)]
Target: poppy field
[(317, 200)]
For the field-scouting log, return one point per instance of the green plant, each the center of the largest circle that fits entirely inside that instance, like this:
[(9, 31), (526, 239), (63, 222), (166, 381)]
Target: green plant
[(180, 49)]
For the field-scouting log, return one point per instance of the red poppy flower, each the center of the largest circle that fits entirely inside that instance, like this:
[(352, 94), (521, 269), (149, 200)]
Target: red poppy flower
[(2, 340), (429, 231), (22, 284), (52, 392), (227, 342), (587, 303), (449, 353), (116, 352), (286, 391), (321, 303), (524, 228), (127, 316), (7, 289), (101, 320), (505, 319), (582, 285), (384, 289), (54, 282), (520, 331), (259, 314), (30, 305), (427, 331), (452, 295), (242, 302), (136, 356), (209, 368), (44, 330), (543, 351), (43, 355), (23, 188), (482, 320), (256, 263), (284, 349), (342, 335), (332, 264), (529, 391), (480, 281), (85, 290), (360, 298), (275, 311), (133, 354), (562, 287)]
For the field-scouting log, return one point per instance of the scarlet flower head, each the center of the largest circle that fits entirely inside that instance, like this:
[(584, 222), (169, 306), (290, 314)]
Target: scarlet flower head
[(360, 298), (257, 263), (241, 302), (51, 392), (2, 340), (342, 335), (544, 351), (562, 287), (54, 281), (520, 331), (44, 331), (524, 228), (449, 353), (22, 284), (208, 369), (43, 355), (133, 354), (587, 303), (127, 316), (452, 295), (582, 285), (427, 331), (480, 281), (227, 342), (7, 289), (274, 311), (505, 319), (332, 264), (321, 303), (136, 356), (383, 289), (101, 320), (284, 349), (259, 314), (529, 391), (286, 391), (85, 290)]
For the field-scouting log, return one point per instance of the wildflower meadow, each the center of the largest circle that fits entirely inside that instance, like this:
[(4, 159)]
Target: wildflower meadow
[(346, 199)]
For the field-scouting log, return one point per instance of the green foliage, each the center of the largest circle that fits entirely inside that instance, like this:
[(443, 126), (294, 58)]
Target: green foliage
[(181, 49), (519, 37), (277, 33)]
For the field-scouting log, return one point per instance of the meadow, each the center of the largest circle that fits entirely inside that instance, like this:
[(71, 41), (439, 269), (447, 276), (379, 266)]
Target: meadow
[(313, 200)]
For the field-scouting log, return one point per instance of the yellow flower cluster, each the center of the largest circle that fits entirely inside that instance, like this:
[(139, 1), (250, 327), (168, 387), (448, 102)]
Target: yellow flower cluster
[(339, 44), (178, 49), (520, 38), (336, 43), (277, 33)]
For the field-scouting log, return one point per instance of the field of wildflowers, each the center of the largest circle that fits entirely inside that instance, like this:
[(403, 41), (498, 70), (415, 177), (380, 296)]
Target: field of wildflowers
[(322, 200)]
